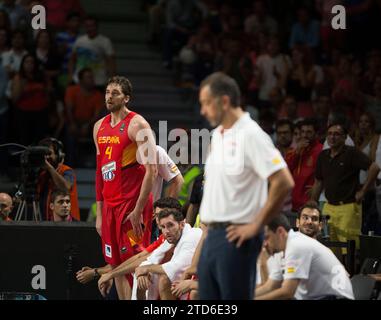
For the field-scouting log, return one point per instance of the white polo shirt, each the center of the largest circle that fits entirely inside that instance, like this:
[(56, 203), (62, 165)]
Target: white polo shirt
[(167, 170), (319, 271), (275, 266), (236, 171)]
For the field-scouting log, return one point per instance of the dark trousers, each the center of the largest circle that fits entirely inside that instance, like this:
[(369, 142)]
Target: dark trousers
[(226, 272)]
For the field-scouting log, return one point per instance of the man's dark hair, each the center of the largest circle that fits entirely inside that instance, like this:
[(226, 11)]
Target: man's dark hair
[(310, 206), (221, 84), (283, 122), (167, 203), (177, 215), (309, 122), (279, 221), (338, 122), (58, 192), (124, 83)]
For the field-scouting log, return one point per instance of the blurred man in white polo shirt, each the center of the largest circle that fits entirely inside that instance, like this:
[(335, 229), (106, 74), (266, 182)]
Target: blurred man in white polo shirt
[(238, 199), (311, 270)]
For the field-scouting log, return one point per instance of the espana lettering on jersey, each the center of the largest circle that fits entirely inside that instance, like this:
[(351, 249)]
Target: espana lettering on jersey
[(108, 140)]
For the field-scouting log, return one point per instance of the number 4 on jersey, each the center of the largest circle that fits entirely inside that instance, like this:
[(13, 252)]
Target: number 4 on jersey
[(109, 152)]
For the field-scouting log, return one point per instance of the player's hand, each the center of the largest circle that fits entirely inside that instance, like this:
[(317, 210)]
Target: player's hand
[(144, 282), (85, 275), (141, 271), (241, 233), (136, 219), (188, 273), (181, 287), (105, 284)]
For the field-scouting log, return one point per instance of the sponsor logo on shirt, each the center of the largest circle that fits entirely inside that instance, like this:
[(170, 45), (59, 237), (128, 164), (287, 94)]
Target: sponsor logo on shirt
[(108, 171), (108, 251), (174, 168), (276, 161), (290, 270), (108, 140)]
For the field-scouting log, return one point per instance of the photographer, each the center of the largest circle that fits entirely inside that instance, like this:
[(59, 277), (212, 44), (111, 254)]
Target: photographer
[(56, 175)]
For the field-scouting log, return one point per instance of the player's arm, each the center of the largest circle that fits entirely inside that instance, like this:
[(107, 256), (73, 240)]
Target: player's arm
[(140, 132), (98, 181), (280, 184), (268, 286), (285, 292), (175, 186)]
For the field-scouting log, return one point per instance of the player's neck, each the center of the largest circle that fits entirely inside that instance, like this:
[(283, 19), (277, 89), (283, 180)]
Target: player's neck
[(231, 117), (118, 116)]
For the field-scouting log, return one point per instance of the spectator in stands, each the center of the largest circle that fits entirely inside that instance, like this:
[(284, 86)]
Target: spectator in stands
[(4, 41), (18, 16), (305, 31), (260, 21), (321, 108), (57, 11), (4, 116), (29, 95), (83, 104), (6, 206), (289, 109), (11, 59), (156, 20), (65, 41), (345, 87), (367, 141), (47, 56), (372, 71), (372, 103), (330, 38), (302, 163), (303, 78), (182, 19), (156, 276), (94, 51), (284, 133), (203, 45), (5, 23), (56, 175), (311, 270), (273, 68), (337, 172), (61, 206)]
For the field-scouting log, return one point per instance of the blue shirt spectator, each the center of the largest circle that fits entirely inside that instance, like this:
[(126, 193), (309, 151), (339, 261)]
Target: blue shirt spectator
[(305, 31)]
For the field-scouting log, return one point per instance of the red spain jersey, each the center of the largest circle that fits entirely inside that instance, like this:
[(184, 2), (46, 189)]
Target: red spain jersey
[(122, 175)]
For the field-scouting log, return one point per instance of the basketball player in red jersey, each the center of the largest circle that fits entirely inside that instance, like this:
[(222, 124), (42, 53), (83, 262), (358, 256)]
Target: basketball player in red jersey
[(124, 179)]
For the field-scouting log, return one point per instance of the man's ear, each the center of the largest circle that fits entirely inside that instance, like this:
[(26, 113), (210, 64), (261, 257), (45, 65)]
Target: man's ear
[(51, 206), (127, 99), (297, 223)]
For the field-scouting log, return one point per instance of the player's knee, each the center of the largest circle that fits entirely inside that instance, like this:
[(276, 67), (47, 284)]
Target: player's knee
[(164, 282), (193, 295)]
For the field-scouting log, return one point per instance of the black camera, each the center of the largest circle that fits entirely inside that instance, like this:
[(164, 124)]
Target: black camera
[(34, 157), (32, 160)]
